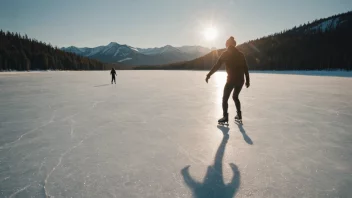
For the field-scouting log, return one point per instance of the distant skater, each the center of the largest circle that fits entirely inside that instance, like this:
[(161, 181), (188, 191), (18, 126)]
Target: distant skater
[(113, 74), (236, 68)]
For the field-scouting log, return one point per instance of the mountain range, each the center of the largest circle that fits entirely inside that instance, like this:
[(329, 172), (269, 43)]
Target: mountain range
[(321, 44), (127, 55)]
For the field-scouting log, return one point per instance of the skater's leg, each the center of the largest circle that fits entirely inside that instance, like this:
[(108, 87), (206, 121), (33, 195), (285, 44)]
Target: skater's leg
[(235, 95), (227, 92)]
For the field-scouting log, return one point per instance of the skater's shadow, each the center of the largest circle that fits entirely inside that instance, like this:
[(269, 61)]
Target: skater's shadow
[(102, 85), (224, 129), (213, 185), (245, 136)]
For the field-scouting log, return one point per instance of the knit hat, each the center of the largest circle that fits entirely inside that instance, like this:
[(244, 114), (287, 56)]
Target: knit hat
[(231, 41)]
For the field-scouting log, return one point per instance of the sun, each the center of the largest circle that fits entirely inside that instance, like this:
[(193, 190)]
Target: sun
[(210, 33)]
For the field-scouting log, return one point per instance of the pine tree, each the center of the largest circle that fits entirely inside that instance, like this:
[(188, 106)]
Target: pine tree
[(22, 53)]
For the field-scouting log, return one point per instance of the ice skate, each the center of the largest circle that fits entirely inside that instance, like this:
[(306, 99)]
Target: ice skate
[(224, 120), (238, 117)]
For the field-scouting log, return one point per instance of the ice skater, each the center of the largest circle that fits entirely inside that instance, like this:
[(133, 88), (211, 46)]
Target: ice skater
[(113, 74), (236, 68)]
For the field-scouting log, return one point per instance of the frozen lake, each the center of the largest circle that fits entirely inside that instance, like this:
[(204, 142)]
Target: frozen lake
[(154, 134)]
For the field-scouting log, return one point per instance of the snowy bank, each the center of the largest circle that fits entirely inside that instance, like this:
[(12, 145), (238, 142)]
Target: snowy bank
[(337, 73)]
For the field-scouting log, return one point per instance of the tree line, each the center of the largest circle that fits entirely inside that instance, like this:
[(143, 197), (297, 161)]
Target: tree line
[(21, 53)]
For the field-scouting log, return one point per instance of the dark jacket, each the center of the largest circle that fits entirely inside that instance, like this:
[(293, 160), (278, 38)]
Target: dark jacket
[(113, 72), (236, 65)]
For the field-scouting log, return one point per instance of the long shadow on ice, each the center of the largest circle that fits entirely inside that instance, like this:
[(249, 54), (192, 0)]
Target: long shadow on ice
[(245, 136), (213, 185), (102, 85)]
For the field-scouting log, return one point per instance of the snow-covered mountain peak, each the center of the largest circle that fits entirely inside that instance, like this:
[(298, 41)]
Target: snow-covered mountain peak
[(112, 44), (74, 49), (169, 48), (115, 52)]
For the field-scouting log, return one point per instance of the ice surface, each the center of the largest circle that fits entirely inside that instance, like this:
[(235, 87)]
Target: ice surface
[(155, 134)]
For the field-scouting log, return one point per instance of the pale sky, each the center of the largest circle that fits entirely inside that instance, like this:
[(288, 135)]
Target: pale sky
[(155, 23)]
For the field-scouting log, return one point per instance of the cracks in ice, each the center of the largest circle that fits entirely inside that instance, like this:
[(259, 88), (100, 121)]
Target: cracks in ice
[(52, 120), (31, 131), (63, 155), (6, 178), (96, 103), (52, 117), (19, 190), (72, 129), (70, 116), (58, 164), (41, 165)]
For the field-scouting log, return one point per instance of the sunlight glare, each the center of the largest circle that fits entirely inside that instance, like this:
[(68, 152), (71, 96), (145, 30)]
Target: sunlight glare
[(210, 33), (220, 80)]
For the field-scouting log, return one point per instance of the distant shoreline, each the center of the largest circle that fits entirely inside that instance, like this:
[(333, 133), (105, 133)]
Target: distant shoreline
[(336, 73)]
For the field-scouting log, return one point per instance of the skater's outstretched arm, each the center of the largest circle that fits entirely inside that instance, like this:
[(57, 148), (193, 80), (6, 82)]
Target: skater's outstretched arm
[(216, 67), (191, 183), (235, 182), (246, 73)]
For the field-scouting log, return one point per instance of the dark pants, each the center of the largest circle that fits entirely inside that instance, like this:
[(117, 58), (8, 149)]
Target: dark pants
[(113, 79), (227, 92)]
